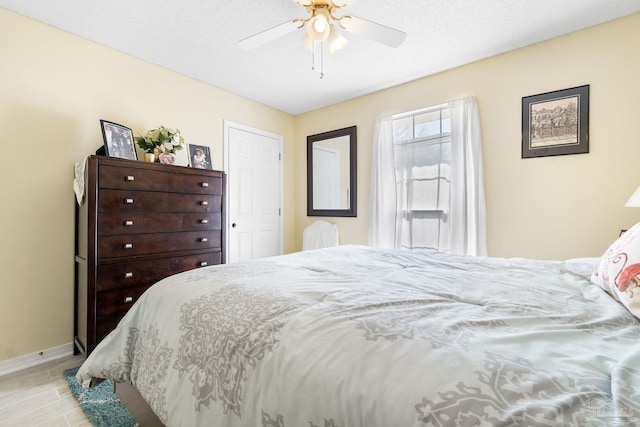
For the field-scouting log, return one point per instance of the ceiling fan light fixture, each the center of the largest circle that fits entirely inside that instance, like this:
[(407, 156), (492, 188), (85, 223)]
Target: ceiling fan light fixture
[(318, 27), (320, 24), (336, 40)]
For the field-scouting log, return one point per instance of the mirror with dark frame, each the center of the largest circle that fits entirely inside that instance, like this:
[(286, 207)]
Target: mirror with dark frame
[(331, 173)]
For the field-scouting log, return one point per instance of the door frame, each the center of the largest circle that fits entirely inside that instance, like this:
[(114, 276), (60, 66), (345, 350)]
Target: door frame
[(228, 125)]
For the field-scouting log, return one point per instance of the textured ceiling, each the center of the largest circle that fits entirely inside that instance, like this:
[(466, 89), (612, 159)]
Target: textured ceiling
[(199, 38)]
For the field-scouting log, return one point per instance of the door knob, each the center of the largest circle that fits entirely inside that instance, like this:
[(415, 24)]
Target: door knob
[(233, 225)]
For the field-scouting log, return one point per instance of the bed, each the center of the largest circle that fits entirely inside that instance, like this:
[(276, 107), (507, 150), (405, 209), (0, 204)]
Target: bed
[(353, 336)]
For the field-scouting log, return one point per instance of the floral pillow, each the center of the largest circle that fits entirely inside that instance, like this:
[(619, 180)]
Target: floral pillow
[(618, 271)]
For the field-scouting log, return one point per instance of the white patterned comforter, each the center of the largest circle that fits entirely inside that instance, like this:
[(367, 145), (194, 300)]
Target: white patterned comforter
[(357, 337)]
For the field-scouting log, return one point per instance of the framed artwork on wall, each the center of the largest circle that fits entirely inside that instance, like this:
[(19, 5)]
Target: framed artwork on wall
[(556, 123), (118, 141), (199, 157)]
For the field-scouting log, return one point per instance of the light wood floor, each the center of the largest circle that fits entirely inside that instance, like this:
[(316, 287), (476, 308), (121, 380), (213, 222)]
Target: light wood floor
[(40, 396)]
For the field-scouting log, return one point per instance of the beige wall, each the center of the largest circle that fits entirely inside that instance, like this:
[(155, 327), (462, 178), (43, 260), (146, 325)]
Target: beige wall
[(54, 89), (553, 207)]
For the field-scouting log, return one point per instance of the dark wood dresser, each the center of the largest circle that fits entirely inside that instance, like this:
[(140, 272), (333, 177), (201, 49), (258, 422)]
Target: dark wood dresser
[(140, 222)]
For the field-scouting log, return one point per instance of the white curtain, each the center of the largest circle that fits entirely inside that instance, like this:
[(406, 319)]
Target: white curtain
[(468, 212), (382, 198), (467, 219)]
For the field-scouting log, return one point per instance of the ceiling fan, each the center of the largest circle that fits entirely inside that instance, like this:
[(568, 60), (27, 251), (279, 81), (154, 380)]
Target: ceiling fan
[(323, 25)]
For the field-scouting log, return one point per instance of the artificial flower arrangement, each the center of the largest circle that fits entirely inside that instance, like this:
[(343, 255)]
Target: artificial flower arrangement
[(163, 142)]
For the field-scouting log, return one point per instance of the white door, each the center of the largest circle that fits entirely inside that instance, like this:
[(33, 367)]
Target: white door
[(253, 162)]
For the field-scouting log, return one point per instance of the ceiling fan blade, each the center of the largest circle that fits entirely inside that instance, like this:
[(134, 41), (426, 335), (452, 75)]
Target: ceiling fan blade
[(378, 32), (266, 36)]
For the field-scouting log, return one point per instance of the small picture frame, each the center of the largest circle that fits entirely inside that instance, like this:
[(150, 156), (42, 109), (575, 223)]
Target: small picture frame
[(556, 123), (118, 141), (199, 157)]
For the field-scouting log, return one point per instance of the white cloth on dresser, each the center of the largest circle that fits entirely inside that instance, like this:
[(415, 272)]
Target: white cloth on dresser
[(78, 180)]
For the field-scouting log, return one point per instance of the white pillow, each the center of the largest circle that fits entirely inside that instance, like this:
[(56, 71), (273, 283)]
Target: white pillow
[(618, 271)]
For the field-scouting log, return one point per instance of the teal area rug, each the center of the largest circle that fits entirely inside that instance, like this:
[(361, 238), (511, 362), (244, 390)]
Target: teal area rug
[(100, 404)]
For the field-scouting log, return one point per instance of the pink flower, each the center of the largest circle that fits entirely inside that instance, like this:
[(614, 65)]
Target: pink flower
[(166, 158)]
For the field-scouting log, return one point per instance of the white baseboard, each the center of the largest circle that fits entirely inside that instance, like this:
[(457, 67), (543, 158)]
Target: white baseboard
[(33, 359)]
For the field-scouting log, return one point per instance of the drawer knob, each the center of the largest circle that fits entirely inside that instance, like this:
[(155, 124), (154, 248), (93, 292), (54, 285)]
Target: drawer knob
[(128, 245), (129, 178), (128, 275), (204, 184), (203, 263), (204, 221), (127, 300), (128, 201), (128, 223), (204, 239), (202, 203)]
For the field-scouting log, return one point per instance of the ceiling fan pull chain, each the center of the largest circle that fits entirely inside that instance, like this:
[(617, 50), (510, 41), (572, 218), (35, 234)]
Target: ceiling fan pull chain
[(319, 55), (321, 60), (313, 56)]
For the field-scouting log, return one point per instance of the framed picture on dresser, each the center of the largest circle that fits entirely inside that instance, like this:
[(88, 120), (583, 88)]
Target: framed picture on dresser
[(118, 141), (199, 157)]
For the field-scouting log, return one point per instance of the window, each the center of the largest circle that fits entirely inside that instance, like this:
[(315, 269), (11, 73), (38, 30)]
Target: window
[(422, 163), (427, 180)]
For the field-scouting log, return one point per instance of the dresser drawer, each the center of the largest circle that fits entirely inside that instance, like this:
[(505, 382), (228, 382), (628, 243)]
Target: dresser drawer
[(126, 245), (136, 223), (145, 201), (170, 180), (115, 300), (138, 273), (106, 324)]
